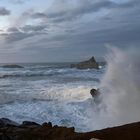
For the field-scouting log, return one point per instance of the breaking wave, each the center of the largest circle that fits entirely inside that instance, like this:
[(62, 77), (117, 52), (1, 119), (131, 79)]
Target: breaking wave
[(120, 86)]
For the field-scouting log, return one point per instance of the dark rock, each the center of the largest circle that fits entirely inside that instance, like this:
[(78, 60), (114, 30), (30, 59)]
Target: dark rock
[(12, 66), (55, 126), (94, 92), (125, 132), (28, 123), (72, 128), (6, 122), (89, 64), (49, 124)]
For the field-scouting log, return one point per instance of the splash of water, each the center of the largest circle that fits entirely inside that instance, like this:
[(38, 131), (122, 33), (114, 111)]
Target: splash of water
[(121, 87)]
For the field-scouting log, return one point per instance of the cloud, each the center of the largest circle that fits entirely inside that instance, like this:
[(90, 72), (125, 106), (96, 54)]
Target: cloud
[(33, 28), (38, 15), (62, 10), (107, 31), (12, 29), (23, 18), (16, 1), (4, 11), (17, 34), (78, 27)]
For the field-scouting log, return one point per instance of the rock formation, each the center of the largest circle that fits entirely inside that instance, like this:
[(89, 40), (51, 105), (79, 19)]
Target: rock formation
[(94, 92), (12, 66), (89, 64), (10, 130)]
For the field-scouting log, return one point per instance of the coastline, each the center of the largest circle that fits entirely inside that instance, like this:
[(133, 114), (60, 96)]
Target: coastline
[(10, 130)]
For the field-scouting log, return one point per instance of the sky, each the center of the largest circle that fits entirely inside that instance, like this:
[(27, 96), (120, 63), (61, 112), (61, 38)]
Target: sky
[(66, 30)]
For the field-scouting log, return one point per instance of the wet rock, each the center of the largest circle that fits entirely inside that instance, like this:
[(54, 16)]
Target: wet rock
[(49, 124), (94, 92), (89, 64), (10, 132), (28, 123), (6, 122), (12, 66), (55, 126)]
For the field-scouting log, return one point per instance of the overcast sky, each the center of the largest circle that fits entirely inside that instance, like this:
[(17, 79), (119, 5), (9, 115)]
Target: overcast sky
[(66, 30)]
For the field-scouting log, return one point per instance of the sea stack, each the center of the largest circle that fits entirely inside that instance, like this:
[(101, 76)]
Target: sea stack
[(89, 64)]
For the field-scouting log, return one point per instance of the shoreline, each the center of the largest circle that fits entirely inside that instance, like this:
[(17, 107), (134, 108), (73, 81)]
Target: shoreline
[(10, 130)]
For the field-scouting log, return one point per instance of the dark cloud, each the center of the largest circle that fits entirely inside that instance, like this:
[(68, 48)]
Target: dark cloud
[(16, 34), (39, 15), (12, 29), (70, 34), (129, 4), (126, 34), (84, 7), (120, 35), (69, 12), (33, 28), (4, 11)]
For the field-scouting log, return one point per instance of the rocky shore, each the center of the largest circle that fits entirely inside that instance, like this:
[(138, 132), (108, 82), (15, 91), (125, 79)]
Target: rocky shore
[(10, 130)]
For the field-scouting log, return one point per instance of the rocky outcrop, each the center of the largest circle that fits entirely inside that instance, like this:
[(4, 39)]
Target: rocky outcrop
[(33, 131), (12, 66), (6, 122), (89, 64), (95, 93), (10, 130)]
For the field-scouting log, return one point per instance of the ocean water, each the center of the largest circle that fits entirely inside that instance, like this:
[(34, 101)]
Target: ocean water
[(61, 95), (46, 92)]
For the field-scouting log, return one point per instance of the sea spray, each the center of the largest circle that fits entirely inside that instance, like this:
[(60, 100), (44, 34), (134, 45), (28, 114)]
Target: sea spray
[(120, 87)]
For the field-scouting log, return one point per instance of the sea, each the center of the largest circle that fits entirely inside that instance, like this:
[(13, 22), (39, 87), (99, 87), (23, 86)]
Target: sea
[(54, 92), (48, 92)]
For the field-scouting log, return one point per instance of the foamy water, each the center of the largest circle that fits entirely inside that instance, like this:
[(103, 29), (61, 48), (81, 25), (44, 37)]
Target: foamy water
[(49, 92), (56, 93)]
